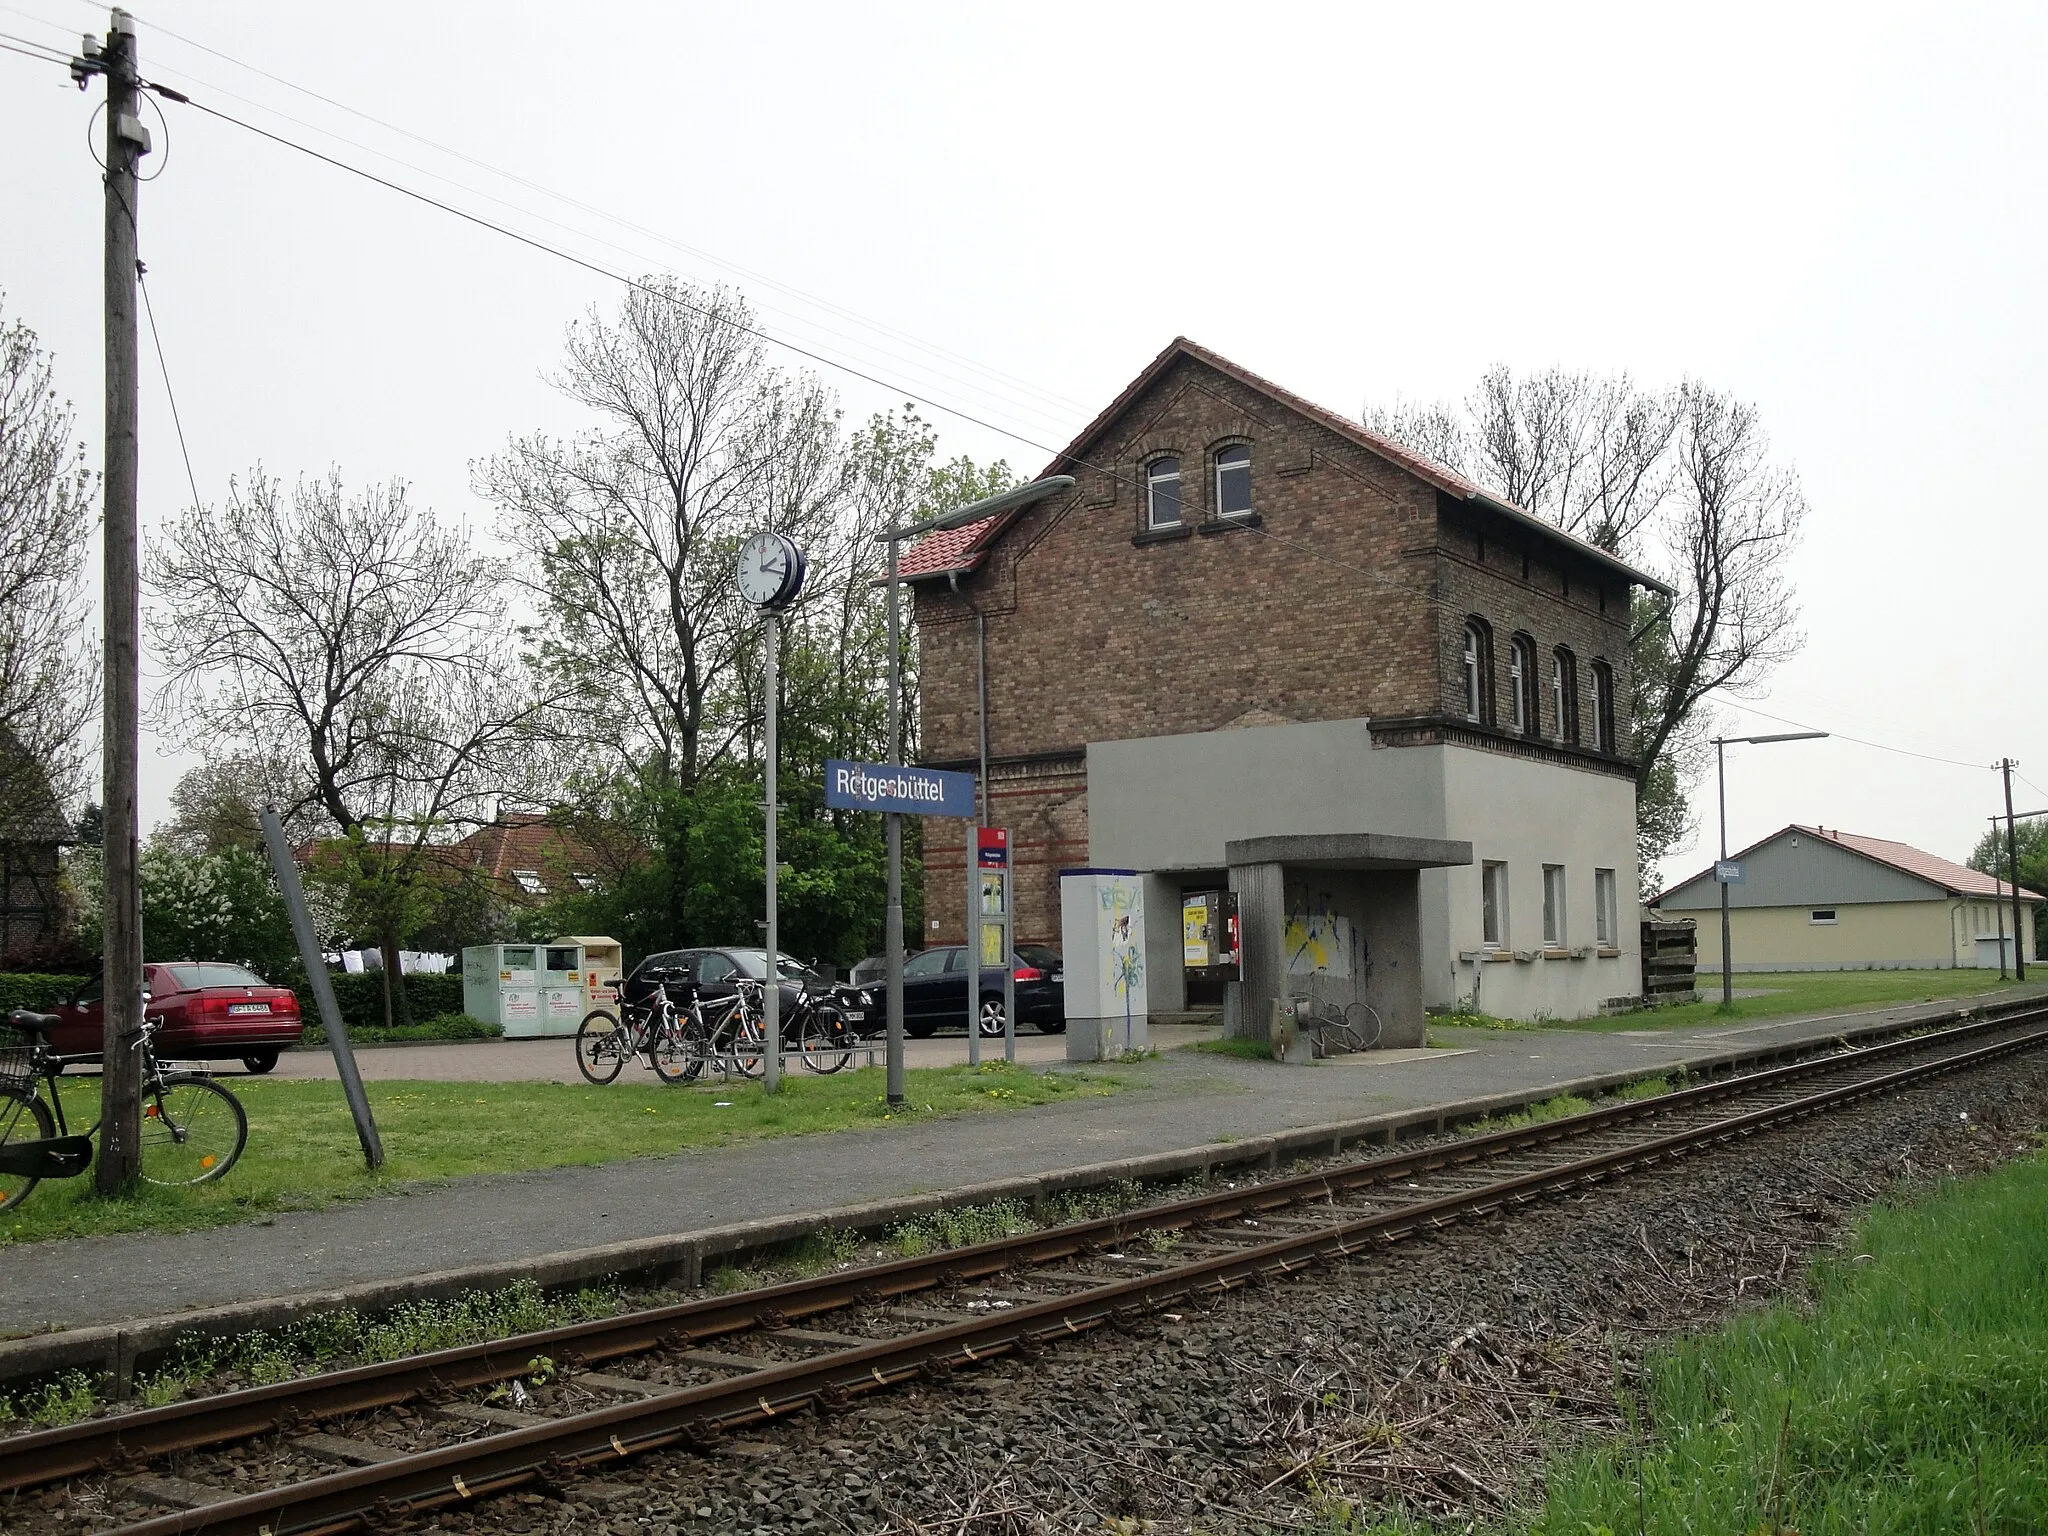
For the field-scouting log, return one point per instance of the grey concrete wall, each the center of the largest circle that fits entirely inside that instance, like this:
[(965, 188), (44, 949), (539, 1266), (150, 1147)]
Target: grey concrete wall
[(1386, 968), (1796, 869), (1172, 802), (1165, 983)]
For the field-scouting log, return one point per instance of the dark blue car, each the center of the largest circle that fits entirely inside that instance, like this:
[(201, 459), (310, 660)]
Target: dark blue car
[(935, 991)]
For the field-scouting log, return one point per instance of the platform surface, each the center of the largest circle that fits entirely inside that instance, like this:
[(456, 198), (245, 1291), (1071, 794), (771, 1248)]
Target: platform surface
[(1182, 1099)]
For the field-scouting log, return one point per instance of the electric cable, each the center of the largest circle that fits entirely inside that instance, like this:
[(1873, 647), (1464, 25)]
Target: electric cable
[(1953, 762), (163, 367)]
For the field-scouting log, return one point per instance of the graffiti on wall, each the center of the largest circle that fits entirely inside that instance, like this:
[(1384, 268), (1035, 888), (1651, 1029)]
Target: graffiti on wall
[(1320, 940), (1123, 954)]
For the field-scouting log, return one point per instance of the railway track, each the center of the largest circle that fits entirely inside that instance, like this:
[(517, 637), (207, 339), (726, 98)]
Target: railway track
[(336, 1450)]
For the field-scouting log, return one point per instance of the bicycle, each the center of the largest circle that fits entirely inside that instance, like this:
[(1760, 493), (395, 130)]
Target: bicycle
[(728, 1033), (651, 1031), (1333, 1030), (193, 1129)]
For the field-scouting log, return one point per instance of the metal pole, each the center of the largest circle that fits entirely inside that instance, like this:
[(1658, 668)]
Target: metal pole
[(120, 1155), (970, 855), (323, 990), (1010, 955), (1727, 955), (2012, 851), (771, 992), (892, 831)]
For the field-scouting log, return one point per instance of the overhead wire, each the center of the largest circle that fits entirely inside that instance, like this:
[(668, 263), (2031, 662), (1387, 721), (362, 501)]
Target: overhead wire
[(1953, 762), (1013, 381)]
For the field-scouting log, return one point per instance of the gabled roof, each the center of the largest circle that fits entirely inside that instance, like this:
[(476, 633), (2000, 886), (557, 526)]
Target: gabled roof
[(961, 550), (1953, 878)]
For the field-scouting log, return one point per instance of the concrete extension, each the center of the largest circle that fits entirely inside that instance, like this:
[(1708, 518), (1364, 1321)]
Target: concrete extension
[(106, 1303)]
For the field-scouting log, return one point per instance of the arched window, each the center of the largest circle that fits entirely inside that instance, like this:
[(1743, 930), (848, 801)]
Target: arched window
[(1564, 694), (1478, 671), (1603, 707), (1234, 481), (1162, 493), (1523, 716)]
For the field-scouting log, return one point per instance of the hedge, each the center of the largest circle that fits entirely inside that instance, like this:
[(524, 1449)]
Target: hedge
[(37, 991), (360, 997), (446, 1026)]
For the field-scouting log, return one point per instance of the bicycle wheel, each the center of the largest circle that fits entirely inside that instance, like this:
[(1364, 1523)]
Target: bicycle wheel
[(602, 1046), (827, 1043), (668, 1049), (192, 1130), (1364, 1023), (747, 1045), (23, 1117)]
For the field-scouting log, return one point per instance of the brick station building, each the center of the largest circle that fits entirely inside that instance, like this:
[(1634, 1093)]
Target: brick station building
[(1253, 619)]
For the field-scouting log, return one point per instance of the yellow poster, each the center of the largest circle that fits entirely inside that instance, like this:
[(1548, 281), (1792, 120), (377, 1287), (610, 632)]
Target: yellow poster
[(1194, 934), (992, 944)]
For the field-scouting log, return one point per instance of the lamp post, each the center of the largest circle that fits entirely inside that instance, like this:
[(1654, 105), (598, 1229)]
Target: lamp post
[(892, 821), (1721, 743)]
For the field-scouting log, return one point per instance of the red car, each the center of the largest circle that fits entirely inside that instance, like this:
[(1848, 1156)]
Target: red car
[(210, 1012)]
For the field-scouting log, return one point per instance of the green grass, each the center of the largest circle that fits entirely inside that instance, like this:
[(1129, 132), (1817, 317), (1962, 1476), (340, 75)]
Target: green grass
[(1788, 993), (1241, 1046), (1910, 1395), (303, 1152)]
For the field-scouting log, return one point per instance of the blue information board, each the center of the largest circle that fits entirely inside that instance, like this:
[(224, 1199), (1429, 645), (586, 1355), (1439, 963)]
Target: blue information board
[(910, 791)]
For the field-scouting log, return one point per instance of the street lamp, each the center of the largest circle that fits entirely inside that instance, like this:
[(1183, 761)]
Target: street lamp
[(892, 821), (1720, 868)]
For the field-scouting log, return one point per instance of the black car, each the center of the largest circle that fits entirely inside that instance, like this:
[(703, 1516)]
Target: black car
[(715, 970), (935, 991)]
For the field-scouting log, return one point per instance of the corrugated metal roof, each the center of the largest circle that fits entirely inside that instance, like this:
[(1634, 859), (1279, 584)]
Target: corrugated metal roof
[(1932, 867), (1956, 879)]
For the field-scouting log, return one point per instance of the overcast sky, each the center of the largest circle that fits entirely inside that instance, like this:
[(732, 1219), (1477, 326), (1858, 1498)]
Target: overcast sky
[(1834, 213)]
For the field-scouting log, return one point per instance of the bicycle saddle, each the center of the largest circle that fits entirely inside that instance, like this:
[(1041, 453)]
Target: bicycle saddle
[(34, 1023)]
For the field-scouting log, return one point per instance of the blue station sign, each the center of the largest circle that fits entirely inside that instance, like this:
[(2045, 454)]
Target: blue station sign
[(908, 791)]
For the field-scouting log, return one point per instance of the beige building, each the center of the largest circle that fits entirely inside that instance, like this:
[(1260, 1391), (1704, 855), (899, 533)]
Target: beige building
[(1820, 899)]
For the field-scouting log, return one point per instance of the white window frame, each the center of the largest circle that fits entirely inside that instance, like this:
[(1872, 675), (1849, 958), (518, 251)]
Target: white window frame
[(1553, 906), (529, 881), (1606, 916), (1153, 481), (1472, 684), (1518, 687), (1493, 897), (1603, 706), (1217, 486), (1822, 917)]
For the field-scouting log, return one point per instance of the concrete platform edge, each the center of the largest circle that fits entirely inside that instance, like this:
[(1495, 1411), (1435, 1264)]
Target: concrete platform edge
[(117, 1351)]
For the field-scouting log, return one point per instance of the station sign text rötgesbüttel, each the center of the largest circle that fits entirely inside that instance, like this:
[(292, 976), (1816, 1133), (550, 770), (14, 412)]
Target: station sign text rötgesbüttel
[(909, 791)]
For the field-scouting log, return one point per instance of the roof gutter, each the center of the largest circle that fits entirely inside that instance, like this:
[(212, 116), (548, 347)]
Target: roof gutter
[(1592, 552)]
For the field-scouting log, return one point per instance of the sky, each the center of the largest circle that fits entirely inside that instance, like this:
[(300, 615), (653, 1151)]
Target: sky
[(1833, 212)]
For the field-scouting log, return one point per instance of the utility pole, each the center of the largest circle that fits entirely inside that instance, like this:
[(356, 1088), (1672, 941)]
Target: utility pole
[(892, 844), (2012, 859), (120, 1152)]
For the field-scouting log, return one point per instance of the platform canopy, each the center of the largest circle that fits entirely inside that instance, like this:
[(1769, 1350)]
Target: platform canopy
[(1348, 850)]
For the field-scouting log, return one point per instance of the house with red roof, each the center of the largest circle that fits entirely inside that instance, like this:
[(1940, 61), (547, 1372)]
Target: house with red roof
[(1821, 899), (1259, 648)]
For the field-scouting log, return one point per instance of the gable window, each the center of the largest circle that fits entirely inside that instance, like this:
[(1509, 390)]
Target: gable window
[(1564, 695), (1478, 666), (1603, 707), (1234, 481), (1493, 905), (1522, 710), (1553, 906), (1162, 493)]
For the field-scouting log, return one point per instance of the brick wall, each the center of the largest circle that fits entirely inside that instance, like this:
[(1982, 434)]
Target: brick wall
[(1345, 597)]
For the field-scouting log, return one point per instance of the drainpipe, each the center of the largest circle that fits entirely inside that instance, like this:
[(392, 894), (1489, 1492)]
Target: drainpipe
[(980, 678)]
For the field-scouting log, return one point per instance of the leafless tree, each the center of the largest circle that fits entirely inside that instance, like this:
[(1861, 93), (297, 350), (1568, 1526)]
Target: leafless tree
[(358, 644), (633, 526), (49, 665), (1679, 481)]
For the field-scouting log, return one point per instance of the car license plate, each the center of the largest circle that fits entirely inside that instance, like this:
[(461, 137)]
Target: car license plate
[(1059, 975), (248, 1007), (855, 1015)]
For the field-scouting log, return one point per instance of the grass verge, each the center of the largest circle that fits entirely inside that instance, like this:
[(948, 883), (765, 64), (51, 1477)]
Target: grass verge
[(1241, 1046), (1789, 993), (303, 1154), (1910, 1394)]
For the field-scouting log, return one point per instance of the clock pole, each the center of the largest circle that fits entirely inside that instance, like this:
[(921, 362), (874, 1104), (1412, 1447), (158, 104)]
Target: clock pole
[(771, 995)]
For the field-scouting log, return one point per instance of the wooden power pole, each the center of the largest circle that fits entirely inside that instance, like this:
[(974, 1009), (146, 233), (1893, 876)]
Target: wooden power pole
[(120, 1151)]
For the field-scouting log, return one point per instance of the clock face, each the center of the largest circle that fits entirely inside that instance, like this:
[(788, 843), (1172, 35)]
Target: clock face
[(771, 570)]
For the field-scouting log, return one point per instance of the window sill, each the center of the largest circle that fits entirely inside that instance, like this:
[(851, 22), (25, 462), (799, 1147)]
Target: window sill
[(1557, 954), (1487, 956), (1606, 952), (1162, 535), (1231, 524)]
